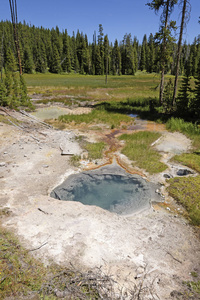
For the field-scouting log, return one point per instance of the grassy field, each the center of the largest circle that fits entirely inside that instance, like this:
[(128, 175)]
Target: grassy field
[(93, 87)]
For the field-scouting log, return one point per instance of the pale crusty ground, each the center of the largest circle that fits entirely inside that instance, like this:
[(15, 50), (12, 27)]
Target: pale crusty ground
[(156, 247)]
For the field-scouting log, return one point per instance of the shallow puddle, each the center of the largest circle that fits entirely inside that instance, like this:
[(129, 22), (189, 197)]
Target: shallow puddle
[(51, 112)]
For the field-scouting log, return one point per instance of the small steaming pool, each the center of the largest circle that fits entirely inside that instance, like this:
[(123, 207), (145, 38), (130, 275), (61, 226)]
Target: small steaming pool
[(109, 187)]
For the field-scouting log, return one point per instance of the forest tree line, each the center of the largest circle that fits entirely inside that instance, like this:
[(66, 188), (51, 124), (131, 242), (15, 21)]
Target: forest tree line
[(44, 50)]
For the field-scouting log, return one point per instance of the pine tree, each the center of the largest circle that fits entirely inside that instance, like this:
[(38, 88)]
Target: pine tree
[(184, 99), (151, 55), (28, 64), (106, 56), (98, 62), (196, 105), (8, 83), (128, 62), (164, 35), (55, 61), (184, 9), (24, 98), (116, 59), (10, 61), (3, 97), (168, 97), (66, 61), (143, 54), (101, 49)]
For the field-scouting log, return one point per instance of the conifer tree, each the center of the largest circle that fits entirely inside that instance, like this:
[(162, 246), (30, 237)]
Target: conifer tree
[(106, 56), (98, 61), (28, 64), (116, 59), (164, 34), (196, 105), (184, 10), (101, 49), (66, 61), (55, 61), (3, 97), (168, 97), (8, 83), (143, 54), (24, 98), (10, 61), (151, 54)]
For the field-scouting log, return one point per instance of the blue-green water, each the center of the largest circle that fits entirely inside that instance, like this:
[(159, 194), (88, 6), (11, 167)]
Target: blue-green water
[(116, 193)]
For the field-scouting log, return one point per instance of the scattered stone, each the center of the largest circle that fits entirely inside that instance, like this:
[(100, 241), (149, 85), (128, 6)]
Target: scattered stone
[(25, 155), (5, 152), (2, 164), (168, 208), (166, 176), (183, 172), (45, 166)]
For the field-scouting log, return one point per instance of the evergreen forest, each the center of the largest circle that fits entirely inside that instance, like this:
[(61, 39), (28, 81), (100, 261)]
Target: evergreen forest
[(44, 50)]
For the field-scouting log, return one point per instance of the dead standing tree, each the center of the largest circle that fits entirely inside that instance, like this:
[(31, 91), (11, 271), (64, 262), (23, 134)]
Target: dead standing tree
[(184, 19), (13, 9)]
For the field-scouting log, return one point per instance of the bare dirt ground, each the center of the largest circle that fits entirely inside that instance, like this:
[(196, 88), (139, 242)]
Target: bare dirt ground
[(156, 249)]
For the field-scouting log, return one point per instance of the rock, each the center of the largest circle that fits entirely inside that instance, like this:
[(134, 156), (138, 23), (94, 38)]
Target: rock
[(183, 172), (166, 176)]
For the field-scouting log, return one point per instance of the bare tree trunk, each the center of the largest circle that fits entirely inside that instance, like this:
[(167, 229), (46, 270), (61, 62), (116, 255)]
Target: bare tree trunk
[(179, 50), (2, 56), (13, 9), (163, 54), (106, 80)]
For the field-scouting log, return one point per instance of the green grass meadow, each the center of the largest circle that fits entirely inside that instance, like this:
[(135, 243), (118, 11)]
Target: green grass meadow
[(117, 88)]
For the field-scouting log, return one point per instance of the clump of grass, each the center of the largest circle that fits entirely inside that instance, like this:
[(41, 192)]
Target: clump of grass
[(138, 149), (95, 150), (191, 160), (186, 192), (176, 124), (97, 116), (19, 272), (75, 160), (192, 131), (194, 286)]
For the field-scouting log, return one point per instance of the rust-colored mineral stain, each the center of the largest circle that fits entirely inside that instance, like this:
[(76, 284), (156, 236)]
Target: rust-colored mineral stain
[(114, 145), (152, 126)]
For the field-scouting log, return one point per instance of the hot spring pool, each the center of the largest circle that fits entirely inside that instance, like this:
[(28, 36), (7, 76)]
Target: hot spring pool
[(110, 188)]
